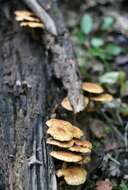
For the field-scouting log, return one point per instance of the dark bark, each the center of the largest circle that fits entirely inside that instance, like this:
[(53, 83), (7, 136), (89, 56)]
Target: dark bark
[(24, 160), (27, 94)]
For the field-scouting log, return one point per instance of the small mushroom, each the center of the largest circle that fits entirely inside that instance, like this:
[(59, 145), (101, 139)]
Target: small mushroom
[(92, 88), (57, 122), (85, 160), (73, 175), (23, 13), (62, 133), (66, 104), (80, 149), (66, 144), (64, 125), (83, 143), (77, 133), (66, 156), (32, 24), (102, 98)]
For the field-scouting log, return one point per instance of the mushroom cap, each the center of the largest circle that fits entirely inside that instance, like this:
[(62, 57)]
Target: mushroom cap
[(61, 133), (85, 160), (64, 125), (66, 104), (66, 156), (23, 13), (80, 149), (92, 88), (74, 175), (66, 144), (27, 18), (77, 132), (57, 122), (32, 24), (102, 98), (83, 143)]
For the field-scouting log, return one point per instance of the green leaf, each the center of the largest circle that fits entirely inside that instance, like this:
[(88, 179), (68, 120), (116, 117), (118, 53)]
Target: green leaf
[(110, 77), (86, 24), (107, 23), (123, 186), (113, 49), (97, 42)]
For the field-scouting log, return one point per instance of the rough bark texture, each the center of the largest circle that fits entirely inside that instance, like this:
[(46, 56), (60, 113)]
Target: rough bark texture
[(24, 160), (27, 93)]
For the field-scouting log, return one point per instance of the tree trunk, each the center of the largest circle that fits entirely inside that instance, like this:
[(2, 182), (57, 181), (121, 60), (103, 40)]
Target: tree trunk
[(27, 94), (24, 102)]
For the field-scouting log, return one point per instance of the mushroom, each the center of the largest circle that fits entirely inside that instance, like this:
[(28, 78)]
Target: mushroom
[(60, 126), (62, 133), (57, 122), (66, 156), (66, 144), (83, 143), (32, 24), (92, 88), (85, 160), (80, 149), (66, 104), (23, 13), (73, 175), (77, 133), (27, 18), (102, 98)]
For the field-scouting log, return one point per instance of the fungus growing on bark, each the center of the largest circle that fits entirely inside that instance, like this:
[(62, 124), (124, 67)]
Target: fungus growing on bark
[(85, 160), (80, 149), (92, 88), (73, 175), (66, 144), (61, 133), (57, 122), (66, 104), (28, 19), (32, 24), (66, 156), (102, 98), (83, 143), (61, 130)]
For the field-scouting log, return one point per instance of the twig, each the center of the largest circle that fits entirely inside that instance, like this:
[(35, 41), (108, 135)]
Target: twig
[(113, 159), (113, 127), (126, 137), (43, 15)]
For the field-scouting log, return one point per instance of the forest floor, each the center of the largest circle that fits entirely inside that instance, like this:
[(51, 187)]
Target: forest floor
[(99, 32)]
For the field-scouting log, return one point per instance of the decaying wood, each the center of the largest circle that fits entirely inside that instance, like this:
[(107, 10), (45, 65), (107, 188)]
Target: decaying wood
[(24, 98), (42, 14), (64, 61)]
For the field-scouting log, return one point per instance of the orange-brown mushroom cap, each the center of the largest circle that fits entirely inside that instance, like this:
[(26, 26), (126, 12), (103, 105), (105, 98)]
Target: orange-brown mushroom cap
[(23, 13), (66, 156), (73, 175), (102, 98), (85, 160), (66, 144), (80, 149), (66, 104), (32, 24), (57, 122), (77, 132), (64, 125), (83, 143), (61, 133), (92, 88)]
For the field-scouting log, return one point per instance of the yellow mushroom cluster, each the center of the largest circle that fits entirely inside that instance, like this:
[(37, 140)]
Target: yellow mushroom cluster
[(28, 19), (69, 149), (94, 95)]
